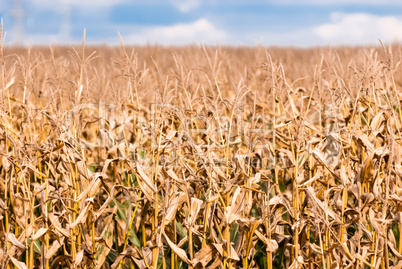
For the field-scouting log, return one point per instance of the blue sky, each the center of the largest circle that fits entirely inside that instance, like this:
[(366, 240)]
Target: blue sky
[(173, 22)]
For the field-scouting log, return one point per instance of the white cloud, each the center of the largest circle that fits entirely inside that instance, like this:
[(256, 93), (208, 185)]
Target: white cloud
[(308, 2), (83, 3), (359, 28), (200, 31), (341, 29), (186, 5), (342, 2)]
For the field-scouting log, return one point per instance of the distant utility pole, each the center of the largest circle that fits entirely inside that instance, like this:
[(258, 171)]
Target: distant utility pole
[(18, 14)]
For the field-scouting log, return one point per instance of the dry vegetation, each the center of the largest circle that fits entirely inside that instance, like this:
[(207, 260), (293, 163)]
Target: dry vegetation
[(200, 157)]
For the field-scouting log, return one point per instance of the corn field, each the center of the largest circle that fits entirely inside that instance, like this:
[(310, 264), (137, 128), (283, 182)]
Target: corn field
[(200, 157)]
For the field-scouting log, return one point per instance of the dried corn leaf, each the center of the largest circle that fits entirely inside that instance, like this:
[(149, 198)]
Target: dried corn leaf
[(310, 192), (11, 238), (78, 258), (103, 250), (55, 221), (311, 180), (204, 255), (39, 233), (81, 217), (92, 187), (146, 179), (54, 247), (179, 251), (233, 255), (172, 207), (18, 264), (195, 208), (173, 175), (272, 245)]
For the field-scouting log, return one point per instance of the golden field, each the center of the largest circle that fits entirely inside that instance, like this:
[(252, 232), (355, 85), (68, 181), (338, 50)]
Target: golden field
[(193, 157)]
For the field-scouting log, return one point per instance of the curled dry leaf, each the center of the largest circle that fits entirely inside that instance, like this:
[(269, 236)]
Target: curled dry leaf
[(146, 183), (39, 233), (78, 258), (232, 255), (11, 238), (55, 221), (102, 250), (173, 175), (18, 264), (311, 180), (54, 247), (179, 251), (146, 179), (81, 217), (318, 203), (204, 255), (172, 207), (272, 245), (92, 187), (195, 208)]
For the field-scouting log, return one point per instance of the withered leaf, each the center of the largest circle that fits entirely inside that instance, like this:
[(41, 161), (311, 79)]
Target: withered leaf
[(18, 264), (179, 251), (54, 247), (78, 258), (55, 221), (39, 233), (204, 255), (11, 237)]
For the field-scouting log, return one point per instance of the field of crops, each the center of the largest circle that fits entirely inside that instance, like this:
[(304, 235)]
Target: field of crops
[(200, 157)]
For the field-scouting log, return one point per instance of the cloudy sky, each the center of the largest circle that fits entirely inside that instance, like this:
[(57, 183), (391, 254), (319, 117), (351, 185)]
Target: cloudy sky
[(301, 23)]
